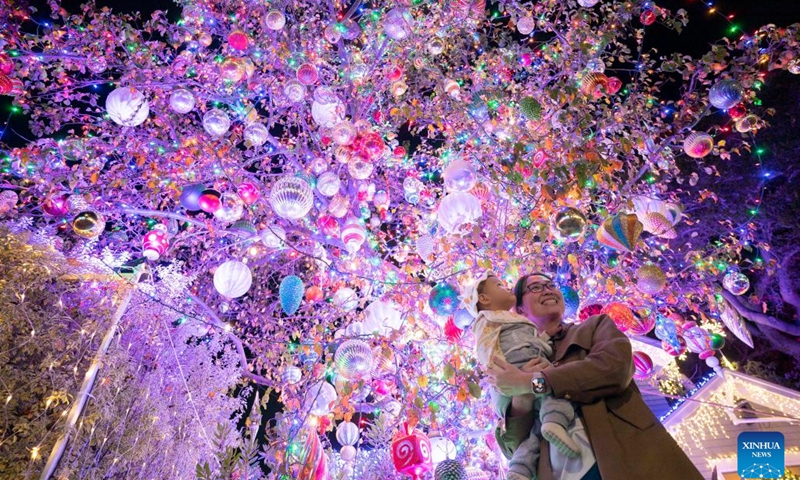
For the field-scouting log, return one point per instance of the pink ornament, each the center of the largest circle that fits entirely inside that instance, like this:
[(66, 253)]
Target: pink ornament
[(328, 225), (6, 64), (307, 74), (238, 40), (353, 235), (6, 85), (411, 452), (643, 325), (248, 192), (698, 340), (56, 205), (394, 73), (155, 242), (698, 144), (538, 159), (672, 351), (614, 84), (642, 366), (209, 201)]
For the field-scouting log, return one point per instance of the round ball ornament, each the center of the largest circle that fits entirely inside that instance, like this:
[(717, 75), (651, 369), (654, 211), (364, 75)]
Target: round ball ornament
[(642, 366), (291, 197), (589, 311), (291, 375), (127, 106), (569, 225), (650, 279), (726, 94), (347, 433), (717, 341), (343, 133), (450, 470), (233, 279), (238, 40), (181, 101), (56, 205), (621, 314), (89, 224), (216, 122), (571, 300), (698, 340), (274, 237), (232, 69), (320, 398), (587, 3), (155, 242), (747, 123), (443, 299), (209, 201), (248, 192), (459, 176), (648, 16), (256, 134), (670, 349), (698, 144), (525, 25), (736, 282), (398, 23), (458, 209), (294, 91), (190, 196), (327, 114), (291, 293), (307, 74), (346, 299), (354, 360), (6, 64), (275, 20), (353, 235), (645, 322)]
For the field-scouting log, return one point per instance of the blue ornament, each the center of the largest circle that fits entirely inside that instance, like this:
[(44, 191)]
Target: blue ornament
[(291, 294), (667, 331), (190, 196), (462, 318), (444, 299), (726, 94), (571, 300)]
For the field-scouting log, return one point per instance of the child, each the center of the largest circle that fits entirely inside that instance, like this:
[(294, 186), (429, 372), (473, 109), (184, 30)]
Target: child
[(515, 339)]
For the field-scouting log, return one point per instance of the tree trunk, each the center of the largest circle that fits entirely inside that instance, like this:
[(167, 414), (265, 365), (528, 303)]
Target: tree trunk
[(761, 318)]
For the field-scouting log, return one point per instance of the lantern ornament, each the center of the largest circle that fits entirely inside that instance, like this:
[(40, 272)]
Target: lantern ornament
[(411, 452), (155, 242), (353, 235), (233, 279)]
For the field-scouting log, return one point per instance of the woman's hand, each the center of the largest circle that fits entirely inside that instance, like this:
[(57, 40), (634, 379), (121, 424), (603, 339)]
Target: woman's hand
[(510, 380)]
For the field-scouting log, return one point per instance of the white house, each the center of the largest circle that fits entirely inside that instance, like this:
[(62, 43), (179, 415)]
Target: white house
[(707, 425)]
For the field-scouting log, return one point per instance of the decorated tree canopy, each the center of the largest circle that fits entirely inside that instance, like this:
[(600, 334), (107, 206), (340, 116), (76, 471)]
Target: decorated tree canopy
[(316, 181)]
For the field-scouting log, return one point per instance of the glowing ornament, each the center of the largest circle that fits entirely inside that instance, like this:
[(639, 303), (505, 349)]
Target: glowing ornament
[(353, 235), (155, 242), (620, 232), (435, 46), (442, 448), (360, 168), (614, 84), (332, 33), (291, 375), (339, 206), (747, 123), (697, 340), (56, 205), (346, 299), (457, 210), (238, 40), (594, 84), (587, 3), (622, 315), (232, 69), (343, 133), (190, 196), (353, 360), (569, 225), (351, 29), (256, 134), (314, 294), (347, 433), (644, 323), (452, 88), (717, 341), (6, 64), (295, 91), (89, 224), (274, 237), (667, 331), (328, 225), (698, 144), (307, 74), (291, 294), (411, 452), (450, 470), (642, 366), (794, 66), (726, 94), (673, 350), (736, 282), (525, 25), (181, 101), (459, 176), (650, 279), (275, 20), (209, 201), (589, 311), (738, 111), (248, 192), (647, 17), (530, 108), (127, 106), (320, 399), (381, 317), (398, 88), (443, 299), (327, 111), (233, 279), (231, 208), (216, 122), (291, 197), (398, 23), (571, 300)]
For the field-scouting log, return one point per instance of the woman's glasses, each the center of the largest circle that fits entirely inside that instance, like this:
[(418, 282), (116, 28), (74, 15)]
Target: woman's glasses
[(539, 287)]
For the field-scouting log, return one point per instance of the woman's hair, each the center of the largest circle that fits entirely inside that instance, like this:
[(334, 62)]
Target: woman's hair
[(519, 288)]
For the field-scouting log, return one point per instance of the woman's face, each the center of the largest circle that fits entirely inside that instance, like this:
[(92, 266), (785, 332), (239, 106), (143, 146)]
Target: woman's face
[(545, 305)]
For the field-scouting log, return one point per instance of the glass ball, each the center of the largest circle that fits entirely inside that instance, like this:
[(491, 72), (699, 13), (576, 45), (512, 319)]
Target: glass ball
[(56, 205), (587, 3), (343, 133), (443, 299), (459, 176), (339, 205), (698, 144), (650, 279), (351, 29), (622, 315), (736, 282), (216, 122), (320, 398), (238, 40), (256, 133), (525, 25), (127, 106), (231, 69), (436, 46), (726, 94), (353, 360), (569, 225), (319, 165), (458, 210), (181, 101), (231, 210), (98, 64), (190, 196), (332, 33), (398, 23), (291, 197), (794, 66), (596, 65), (233, 279), (275, 20), (398, 88), (328, 184), (295, 91), (747, 123), (353, 235), (291, 375), (209, 201), (307, 74), (89, 224), (360, 168), (327, 114), (346, 299), (274, 237)]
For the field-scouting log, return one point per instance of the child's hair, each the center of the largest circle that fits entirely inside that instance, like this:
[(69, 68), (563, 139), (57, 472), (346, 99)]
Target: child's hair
[(519, 288)]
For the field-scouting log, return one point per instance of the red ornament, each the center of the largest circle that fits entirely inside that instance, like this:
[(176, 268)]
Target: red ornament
[(155, 242), (209, 201), (6, 85), (642, 366), (314, 294), (411, 452), (589, 311), (647, 17), (622, 315), (248, 193), (451, 332), (238, 40), (737, 111), (6, 64)]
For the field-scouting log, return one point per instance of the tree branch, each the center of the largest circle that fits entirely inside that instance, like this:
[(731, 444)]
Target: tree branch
[(788, 293), (761, 318), (779, 341)]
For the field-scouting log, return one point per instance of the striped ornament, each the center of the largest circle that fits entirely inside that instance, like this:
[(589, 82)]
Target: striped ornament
[(642, 366), (620, 232)]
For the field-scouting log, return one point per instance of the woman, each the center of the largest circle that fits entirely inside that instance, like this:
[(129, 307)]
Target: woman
[(593, 367)]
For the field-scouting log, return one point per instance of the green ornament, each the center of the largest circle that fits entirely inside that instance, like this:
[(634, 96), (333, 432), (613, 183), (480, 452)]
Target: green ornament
[(450, 470), (531, 108), (717, 341)]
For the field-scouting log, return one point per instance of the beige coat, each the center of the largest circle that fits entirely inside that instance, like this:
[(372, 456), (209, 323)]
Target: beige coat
[(593, 367)]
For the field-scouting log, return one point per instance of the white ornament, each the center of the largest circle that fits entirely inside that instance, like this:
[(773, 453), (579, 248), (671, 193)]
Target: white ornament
[(457, 210), (233, 279), (346, 299), (181, 101), (127, 106), (319, 399), (274, 237), (216, 122), (256, 133)]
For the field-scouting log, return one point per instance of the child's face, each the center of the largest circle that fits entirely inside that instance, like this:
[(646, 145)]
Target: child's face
[(496, 295)]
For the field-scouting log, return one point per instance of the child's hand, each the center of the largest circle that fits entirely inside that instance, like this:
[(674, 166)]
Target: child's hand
[(536, 364), (508, 379)]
